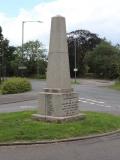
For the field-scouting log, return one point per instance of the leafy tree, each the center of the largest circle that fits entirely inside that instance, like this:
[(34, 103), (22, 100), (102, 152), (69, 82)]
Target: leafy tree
[(1, 39), (4, 49), (104, 60), (33, 57), (84, 41), (6, 56), (14, 63), (10, 57)]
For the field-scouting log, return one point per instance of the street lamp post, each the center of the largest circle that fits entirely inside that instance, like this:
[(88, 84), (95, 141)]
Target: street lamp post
[(23, 22), (0, 68), (75, 63), (22, 36)]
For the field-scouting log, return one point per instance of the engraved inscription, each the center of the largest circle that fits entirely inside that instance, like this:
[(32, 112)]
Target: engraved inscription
[(70, 104), (49, 104), (64, 104)]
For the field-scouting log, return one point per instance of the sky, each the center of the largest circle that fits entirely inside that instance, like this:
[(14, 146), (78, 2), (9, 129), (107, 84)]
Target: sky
[(101, 17)]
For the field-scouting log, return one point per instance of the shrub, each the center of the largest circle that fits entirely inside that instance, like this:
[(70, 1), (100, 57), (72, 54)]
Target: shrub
[(35, 76), (15, 85)]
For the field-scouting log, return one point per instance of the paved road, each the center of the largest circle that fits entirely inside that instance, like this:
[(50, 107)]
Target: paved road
[(93, 96), (104, 148), (19, 106), (98, 98)]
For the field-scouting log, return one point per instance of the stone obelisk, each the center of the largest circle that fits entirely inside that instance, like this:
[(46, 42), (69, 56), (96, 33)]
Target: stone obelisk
[(58, 101)]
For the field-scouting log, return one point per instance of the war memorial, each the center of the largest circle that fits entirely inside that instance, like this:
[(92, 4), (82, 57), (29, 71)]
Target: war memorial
[(58, 101)]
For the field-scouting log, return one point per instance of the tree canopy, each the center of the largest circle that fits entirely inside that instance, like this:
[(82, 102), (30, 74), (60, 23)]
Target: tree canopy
[(84, 41), (93, 55), (6, 53), (33, 57), (104, 60)]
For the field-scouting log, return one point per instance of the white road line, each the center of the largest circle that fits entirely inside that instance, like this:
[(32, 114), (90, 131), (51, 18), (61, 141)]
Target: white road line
[(108, 106), (25, 107), (102, 105), (83, 101), (91, 103), (86, 102), (92, 100)]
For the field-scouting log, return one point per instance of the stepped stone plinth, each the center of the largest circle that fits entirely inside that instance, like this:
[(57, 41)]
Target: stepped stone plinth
[(58, 101)]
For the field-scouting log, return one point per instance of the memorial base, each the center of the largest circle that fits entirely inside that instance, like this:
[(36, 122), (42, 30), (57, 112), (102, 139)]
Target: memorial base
[(46, 118), (58, 105)]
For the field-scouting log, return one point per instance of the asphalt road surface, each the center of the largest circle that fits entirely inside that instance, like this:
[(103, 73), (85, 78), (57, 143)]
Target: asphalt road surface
[(93, 96), (104, 148)]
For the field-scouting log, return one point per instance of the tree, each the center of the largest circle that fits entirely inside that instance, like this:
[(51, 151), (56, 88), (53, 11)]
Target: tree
[(33, 57), (1, 38), (84, 41), (104, 60), (6, 56), (4, 48), (11, 68)]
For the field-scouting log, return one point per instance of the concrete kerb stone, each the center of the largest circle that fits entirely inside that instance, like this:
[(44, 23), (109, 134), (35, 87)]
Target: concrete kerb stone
[(14, 98), (46, 118), (61, 140)]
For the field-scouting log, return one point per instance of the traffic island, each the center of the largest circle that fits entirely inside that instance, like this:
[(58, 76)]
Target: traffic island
[(20, 127), (58, 102)]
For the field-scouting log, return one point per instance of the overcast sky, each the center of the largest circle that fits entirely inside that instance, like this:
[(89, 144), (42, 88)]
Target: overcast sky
[(101, 17)]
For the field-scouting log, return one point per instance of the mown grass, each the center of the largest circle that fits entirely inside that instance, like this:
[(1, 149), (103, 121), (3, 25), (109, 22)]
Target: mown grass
[(0, 90), (15, 85), (116, 86), (73, 81), (20, 126)]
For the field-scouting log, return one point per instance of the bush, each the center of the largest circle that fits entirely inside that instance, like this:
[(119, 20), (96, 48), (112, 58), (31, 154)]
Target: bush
[(35, 76), (15, 85), (116, 85), (104, 61)]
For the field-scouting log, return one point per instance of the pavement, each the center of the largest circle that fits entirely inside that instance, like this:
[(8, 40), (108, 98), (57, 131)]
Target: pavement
[(14, 98), (93, 95), (39, 85), (102, 148)]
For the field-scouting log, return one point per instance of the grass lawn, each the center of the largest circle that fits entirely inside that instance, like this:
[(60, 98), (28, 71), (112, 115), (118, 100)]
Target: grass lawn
[(0, 89), (75, 82), (19, 126), (116, 86)]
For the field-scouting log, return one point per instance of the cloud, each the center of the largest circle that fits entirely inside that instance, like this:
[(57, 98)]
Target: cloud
[(101, 17)]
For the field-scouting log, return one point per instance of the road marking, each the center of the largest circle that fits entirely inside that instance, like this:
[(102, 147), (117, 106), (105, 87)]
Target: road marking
[(108, 106), (95, 102), (92, 100), (83, 101), (25, 107), (92, 103), (102, 105), (86, 101)]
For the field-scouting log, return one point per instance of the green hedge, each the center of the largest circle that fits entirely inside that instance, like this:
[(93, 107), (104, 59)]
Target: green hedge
[(116, 85), (15, 85)]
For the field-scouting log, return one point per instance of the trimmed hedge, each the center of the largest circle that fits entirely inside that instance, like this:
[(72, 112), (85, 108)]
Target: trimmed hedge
[(15, 85)]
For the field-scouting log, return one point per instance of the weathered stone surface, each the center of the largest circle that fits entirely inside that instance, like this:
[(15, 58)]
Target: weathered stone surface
[(58, 101), (58, 104), (58, 74), (47, 118)]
